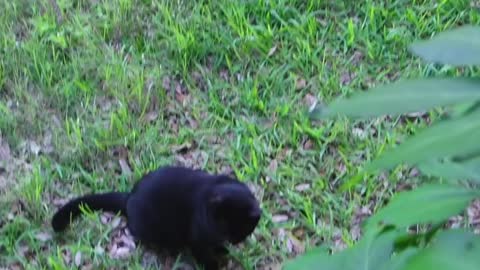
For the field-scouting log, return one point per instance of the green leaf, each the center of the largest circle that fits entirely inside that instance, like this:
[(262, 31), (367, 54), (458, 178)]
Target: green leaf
[(457, 47), (403, 97), (446, 138), (430, 203), (451, 250), (449, 170), (370, 253), (398, 261)]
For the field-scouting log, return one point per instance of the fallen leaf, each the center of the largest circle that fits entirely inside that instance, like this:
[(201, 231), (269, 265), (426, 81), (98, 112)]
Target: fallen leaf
[(302, 187), (67, 256), (311, 101), (417, 114), (106, 217), (47, 143), (23, 250), (151, 116), (272, 51), (14, 266), (274, 266), (99, 250), (43, 236), (338, 243), (78, 258), (295, 244), (87, 266), (473, 213), (59, 202), (128, 241), (279, 218), (34, 148), (355, 232), (257, 190), (125, 167), (308, 145), (300, 84), (455, 222), (166, 83), (121, 252), (4, 151), (359, 133), (357, 57), (193, 123), (224, 74), (182, 147), (116, 221), (272, 167), (346, 78)]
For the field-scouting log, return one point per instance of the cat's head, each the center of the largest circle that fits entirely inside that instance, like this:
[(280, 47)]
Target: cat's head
[(235, 210)]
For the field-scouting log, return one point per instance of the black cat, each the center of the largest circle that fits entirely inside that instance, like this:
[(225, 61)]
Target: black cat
[(175, 208)]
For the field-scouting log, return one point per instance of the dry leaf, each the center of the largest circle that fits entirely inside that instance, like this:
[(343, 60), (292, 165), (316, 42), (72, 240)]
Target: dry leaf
[(346, 78), (4, 150), (67, 256), (473, 213), (274, 266), (124, 167), (310, 100), (78, 258), (417, 114), (106, 217), (34, 148), (455, 222), (300, 83), (47, 143), (151, 116), (99, 250), (182, 147), (338, 243), (43, 236), (359, 133), (121, 252), (14, 266), (193, 123), (116, 221), (308, 145), (272, 167), (59, 202), (166, 83), (87, 266), (272, 51), (224, 74), (357, 57), (279, 218), (302, 187), (295, 244)]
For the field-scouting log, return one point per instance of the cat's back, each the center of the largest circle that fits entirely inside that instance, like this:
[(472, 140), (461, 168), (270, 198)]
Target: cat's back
[(172, 180), (161, 206)]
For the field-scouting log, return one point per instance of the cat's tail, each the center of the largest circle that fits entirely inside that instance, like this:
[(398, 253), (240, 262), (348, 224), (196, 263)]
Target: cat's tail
[(110, 202)]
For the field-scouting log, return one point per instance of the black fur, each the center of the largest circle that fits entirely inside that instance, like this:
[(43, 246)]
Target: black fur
[(175, 208)]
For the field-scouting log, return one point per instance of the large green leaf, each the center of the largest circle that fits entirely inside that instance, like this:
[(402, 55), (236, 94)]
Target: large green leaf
[(452, 137), (451, 250), (370, 253), (398, 261), (403, 97), (457, 47), (449, 170), (430, 203)]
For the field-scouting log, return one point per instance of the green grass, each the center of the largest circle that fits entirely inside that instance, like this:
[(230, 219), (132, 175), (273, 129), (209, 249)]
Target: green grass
[(227, 81)]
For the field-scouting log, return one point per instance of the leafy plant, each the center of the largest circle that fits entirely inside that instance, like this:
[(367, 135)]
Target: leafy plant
[(448, 150)]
